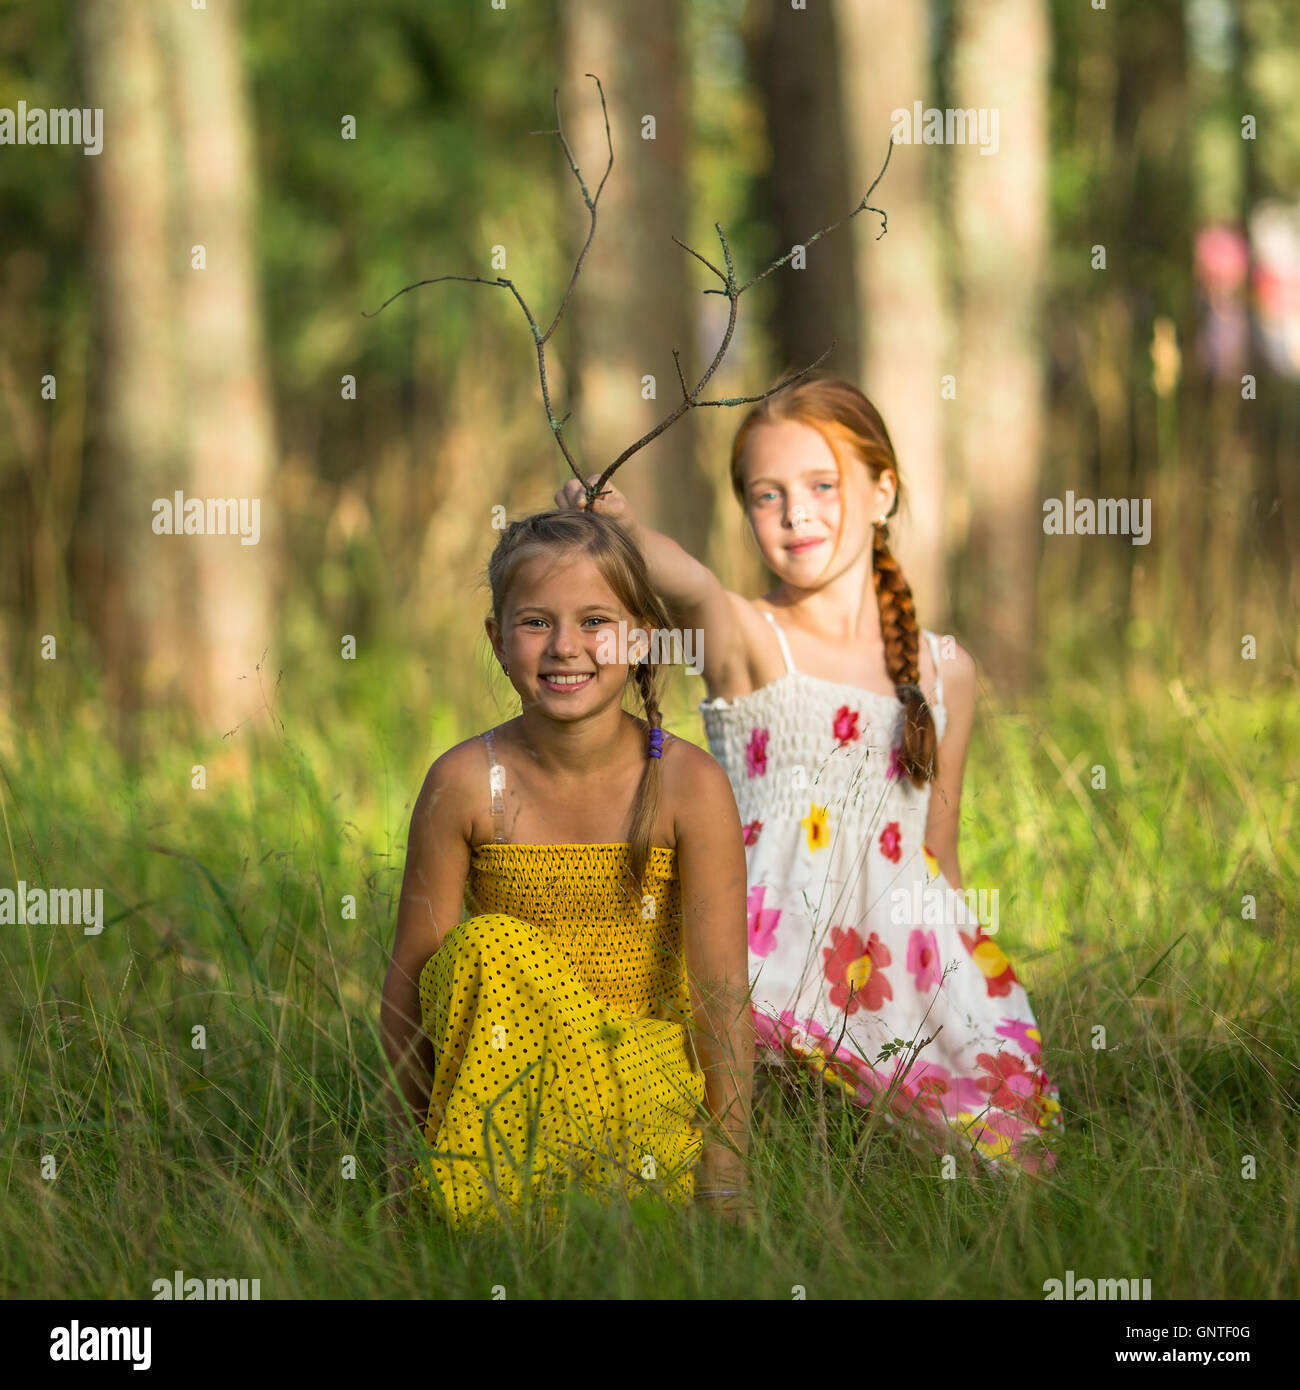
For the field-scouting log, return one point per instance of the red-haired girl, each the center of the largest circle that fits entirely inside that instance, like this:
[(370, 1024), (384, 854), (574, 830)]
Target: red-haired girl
[(844, 728)]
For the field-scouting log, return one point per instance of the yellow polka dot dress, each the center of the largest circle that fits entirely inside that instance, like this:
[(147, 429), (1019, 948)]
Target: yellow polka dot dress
[(558, 1014)]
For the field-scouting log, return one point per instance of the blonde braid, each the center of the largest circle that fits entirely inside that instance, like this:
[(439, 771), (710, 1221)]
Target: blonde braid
[(646, 810)]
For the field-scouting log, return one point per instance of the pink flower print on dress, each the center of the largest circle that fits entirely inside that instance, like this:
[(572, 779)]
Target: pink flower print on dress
[(751, 831), (1025, 1036), (1010, 1085), (766, 1032), (993, 1132), (891, 842), (845, 726), (937, 1088), (762, 922), (929, 1083), (923, 959), (813, 1045), (895, 768), (756, 753), (855, 970)]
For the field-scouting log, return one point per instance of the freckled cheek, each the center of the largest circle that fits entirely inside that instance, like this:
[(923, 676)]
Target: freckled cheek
[(832, 509), (767, 529)]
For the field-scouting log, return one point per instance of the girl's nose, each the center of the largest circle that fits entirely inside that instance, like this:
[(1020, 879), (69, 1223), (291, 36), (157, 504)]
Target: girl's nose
[(565, 640)]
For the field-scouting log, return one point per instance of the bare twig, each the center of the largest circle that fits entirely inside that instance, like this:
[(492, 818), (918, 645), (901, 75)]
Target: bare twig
[(733, 293), (729, 288)]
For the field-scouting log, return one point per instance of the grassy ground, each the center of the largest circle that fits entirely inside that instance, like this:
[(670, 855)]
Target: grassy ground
[(1121, 908)]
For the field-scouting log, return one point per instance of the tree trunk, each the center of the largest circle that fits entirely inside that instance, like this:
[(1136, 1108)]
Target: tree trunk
[(133, 585), (902, 292), (1000, 62), (231, 438), (809, 184), (1153, 234), (631, 305)]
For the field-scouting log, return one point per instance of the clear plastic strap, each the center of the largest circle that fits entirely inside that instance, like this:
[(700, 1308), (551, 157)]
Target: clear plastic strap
[(934, 655), (497, 781), (780, 637)]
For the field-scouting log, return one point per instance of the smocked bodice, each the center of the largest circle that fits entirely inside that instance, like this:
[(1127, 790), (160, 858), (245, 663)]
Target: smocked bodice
[(802, 738), (626, 947)]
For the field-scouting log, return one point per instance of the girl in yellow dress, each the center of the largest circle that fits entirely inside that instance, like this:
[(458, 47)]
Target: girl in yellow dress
[(568, 1031)]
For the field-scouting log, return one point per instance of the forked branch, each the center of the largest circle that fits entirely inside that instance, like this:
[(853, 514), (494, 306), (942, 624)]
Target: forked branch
[(730, 288)]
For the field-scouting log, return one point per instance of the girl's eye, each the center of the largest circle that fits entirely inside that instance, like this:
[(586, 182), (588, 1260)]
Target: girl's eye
[(826, 484), (593, 619)]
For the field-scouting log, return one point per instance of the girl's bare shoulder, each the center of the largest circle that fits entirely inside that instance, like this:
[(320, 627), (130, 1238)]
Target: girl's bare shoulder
[(444, 805), (694, 782), (956, 660), (456, 763), (463, 770), (957, 668)]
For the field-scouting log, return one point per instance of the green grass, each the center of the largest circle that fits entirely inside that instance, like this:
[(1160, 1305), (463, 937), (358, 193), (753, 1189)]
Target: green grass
[(1121, 909)]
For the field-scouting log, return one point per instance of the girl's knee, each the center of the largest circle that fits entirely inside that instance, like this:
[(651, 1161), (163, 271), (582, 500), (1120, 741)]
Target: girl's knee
[(497, 934), (495, 929), (489, 933)]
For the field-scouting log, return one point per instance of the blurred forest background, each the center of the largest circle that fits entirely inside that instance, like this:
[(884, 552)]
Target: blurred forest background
[(180, 723), (1166, 133)]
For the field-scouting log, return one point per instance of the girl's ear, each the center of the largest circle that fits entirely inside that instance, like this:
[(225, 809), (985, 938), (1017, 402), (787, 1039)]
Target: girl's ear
[(890, 479), (490, 627)]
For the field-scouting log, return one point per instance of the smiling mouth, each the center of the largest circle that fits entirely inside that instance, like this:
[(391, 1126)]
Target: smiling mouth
[(568, 680), (799, 546)]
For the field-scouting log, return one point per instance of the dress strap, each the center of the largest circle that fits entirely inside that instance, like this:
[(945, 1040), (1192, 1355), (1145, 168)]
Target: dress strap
[(934, 655), (780, 637), (497, 782)]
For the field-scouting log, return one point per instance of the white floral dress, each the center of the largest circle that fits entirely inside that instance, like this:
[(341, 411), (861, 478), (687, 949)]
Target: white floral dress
[(859, 948)]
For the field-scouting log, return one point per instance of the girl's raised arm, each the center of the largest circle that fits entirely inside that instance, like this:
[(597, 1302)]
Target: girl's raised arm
[(692, 592), (711, 864), (433, 887), (943, 821)]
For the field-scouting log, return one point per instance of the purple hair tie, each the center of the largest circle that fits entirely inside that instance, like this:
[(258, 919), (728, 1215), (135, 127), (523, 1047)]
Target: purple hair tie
[(656, 743)]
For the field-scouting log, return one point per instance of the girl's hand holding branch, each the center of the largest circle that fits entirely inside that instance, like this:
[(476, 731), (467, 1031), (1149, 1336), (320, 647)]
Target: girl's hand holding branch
[(610, 503)]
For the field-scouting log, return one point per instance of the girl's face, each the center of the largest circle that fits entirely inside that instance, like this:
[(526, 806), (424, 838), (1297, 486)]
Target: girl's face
[(559, 636), (795, 502)]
